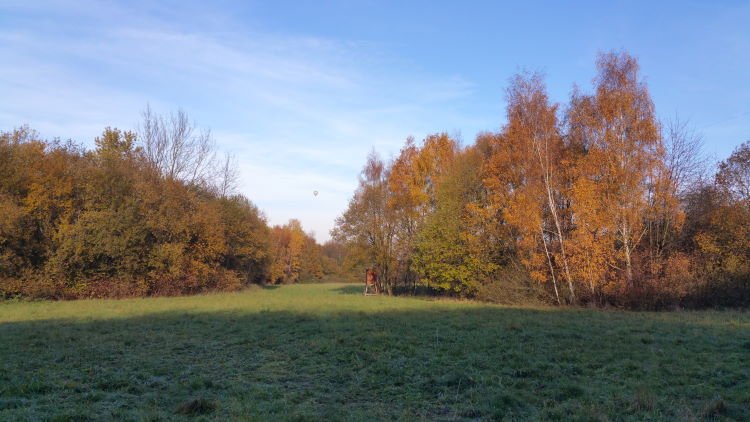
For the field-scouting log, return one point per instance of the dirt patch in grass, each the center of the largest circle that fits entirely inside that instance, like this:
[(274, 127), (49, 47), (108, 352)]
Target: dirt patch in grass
[(193, 407)]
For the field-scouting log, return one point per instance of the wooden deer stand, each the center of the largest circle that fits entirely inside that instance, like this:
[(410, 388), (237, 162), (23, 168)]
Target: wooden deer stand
[(371, 282)]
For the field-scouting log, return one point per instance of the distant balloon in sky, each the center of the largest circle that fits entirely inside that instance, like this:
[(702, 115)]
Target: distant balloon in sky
[(315, 193)]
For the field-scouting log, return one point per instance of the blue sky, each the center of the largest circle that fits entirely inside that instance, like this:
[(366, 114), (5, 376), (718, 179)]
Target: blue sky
[(301, 91)]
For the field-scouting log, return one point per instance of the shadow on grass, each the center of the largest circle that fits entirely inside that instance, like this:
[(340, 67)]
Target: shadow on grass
[(463, 363), (352, 289)]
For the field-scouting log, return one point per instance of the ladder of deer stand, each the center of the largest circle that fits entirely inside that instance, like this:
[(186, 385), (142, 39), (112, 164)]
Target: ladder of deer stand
[(371, 282)]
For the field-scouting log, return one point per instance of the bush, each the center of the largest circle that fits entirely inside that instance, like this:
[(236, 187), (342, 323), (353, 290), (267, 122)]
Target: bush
[(510, 286), (106, 223)]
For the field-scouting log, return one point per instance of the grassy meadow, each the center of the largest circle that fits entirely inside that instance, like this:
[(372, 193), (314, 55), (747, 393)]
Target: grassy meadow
[(312, 352)]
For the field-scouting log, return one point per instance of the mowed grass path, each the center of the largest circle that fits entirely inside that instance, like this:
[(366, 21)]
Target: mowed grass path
[(326, 352)]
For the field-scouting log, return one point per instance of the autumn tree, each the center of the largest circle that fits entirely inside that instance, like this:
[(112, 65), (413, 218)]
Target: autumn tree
[(733, 176), (343, 261), (413, 182), (526, 177), (107, 235), (295, 255), (107, 222), (286, 249), (312, 267), (453, 251), (617, 136), (246, 239), (599, 203), (719, 219), (369, 223), (23, 245)]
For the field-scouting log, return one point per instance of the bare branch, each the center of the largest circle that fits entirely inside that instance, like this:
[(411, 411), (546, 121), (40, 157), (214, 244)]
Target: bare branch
[(176, 149), (684, 160)]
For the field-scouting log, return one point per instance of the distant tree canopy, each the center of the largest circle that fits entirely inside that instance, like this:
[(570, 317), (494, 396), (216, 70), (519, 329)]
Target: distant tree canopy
[(152, 213), (297, 256), (595, 202), (590, 202)]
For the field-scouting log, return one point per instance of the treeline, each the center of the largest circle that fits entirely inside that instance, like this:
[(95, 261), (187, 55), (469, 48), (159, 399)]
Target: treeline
[(152, 212), (298, 257), (595, 202)]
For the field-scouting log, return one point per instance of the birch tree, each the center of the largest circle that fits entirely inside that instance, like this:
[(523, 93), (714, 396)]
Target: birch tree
[(526, 175), (617, 134)]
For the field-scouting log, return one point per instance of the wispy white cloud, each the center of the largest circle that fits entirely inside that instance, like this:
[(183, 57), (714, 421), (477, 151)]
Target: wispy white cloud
[(300, 112)]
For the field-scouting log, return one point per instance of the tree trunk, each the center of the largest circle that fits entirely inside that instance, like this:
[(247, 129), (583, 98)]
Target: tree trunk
[(551, 267), (627, 249)]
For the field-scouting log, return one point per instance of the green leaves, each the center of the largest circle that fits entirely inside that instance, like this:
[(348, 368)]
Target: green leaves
[(104, 223)]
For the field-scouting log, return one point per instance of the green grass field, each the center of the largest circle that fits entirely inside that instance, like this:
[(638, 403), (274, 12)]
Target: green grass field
[(311, 352)]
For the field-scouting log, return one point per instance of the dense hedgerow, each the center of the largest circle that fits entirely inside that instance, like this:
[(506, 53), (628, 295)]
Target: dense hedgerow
[(106, 222), (133, 218)]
